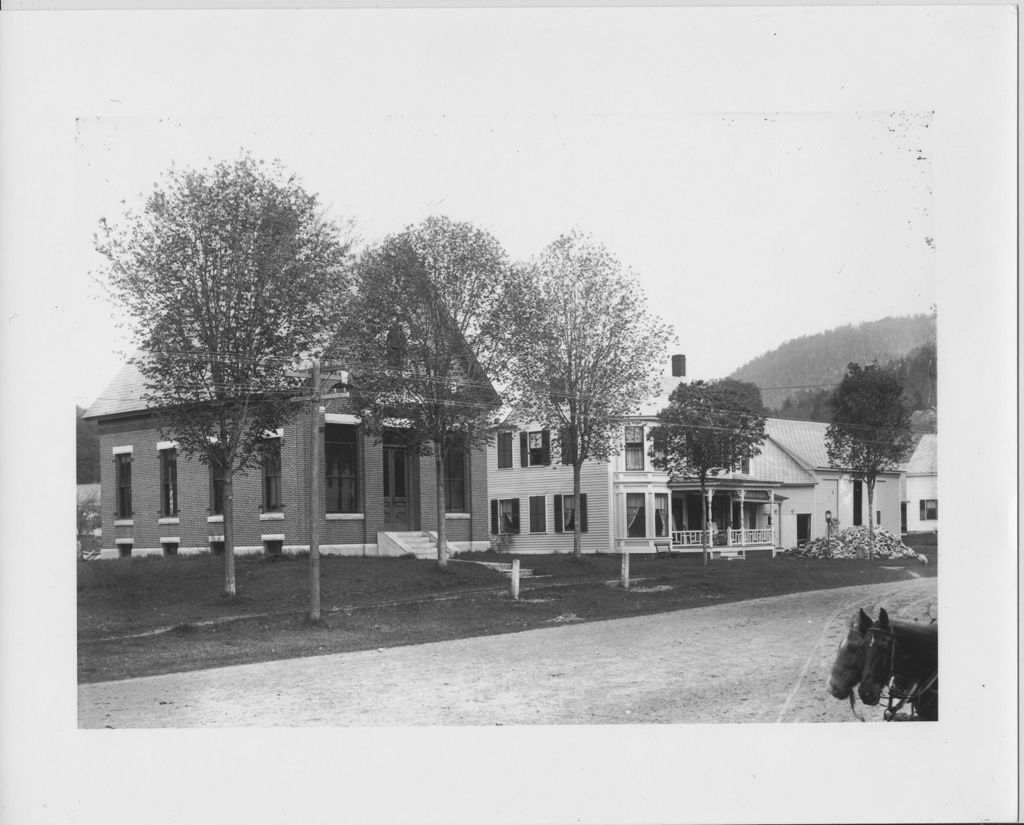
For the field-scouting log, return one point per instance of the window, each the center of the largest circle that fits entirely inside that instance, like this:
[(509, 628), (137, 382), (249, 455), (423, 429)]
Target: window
[(660, 514), (455, 481), (858, 504), (534, 449), (340, 466), (123, 478), (505, 515), (745, 466), (538, 514), (216, 490), (636, 526), (169, 482), (929, 509), (634, 448), (504, 450), (271, 461), (565, 514)]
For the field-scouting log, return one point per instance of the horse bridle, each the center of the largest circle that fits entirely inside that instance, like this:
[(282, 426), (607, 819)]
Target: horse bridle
[(915, 693)]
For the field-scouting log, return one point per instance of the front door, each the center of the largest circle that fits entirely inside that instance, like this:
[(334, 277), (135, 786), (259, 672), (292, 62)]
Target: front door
[(803, 528), (396, 484)]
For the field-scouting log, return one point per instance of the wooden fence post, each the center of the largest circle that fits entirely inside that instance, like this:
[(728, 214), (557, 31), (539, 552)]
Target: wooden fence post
[(625, 570), (515, 579)]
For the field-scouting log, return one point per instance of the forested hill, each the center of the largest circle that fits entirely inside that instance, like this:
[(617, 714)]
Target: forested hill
[(801, 367)]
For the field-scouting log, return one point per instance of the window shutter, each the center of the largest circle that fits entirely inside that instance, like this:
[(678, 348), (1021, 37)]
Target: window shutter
[(565, 440), (494, 515), (538, 518), (558, 514), (924, 510), (583, 512), (524, 450), (515, 515), (546, 444)]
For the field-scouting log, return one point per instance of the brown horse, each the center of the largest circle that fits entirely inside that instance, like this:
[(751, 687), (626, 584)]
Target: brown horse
[(905, 657)]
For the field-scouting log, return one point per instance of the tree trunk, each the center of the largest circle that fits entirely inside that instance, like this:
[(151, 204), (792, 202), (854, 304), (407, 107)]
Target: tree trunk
[(229, 533), (314, 499), (871, 517), (577, 520), (442, 531)]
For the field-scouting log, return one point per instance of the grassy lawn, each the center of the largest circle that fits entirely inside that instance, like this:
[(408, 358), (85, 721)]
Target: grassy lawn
[(146, 616)]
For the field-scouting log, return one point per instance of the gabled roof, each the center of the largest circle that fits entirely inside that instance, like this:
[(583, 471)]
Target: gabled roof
[(924, 460), (123, 395), (804, 440)]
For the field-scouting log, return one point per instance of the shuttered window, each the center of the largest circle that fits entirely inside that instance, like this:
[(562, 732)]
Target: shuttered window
[(505, 515), (565, 516), (535, 448)]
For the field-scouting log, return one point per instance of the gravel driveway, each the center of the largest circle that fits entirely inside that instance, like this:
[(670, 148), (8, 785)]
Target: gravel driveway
[(764, 660)]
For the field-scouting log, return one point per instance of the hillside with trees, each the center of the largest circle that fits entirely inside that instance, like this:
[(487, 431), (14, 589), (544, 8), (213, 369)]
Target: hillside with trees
[(797, 378)]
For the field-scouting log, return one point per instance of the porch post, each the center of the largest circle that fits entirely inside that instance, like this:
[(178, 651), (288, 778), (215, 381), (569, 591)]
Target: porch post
[(707, 518), (772, 519), (728, 523), (743, 522)]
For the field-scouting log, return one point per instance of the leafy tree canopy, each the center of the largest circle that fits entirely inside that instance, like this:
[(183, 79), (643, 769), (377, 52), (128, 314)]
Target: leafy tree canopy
[(870, 430), (228, 276), (587, 351), (420, 332), (707, 428)]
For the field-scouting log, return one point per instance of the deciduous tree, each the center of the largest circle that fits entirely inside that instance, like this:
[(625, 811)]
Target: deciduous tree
[(707, 428), (870, 430), (229, 276), (585, 350), (421, 338)]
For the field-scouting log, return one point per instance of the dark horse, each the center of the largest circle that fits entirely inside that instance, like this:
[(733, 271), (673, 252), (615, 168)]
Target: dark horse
[(904, 656), (868, 654)]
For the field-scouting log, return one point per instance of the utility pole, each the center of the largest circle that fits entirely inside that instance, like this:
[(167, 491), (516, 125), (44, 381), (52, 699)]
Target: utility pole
[(314, 497)]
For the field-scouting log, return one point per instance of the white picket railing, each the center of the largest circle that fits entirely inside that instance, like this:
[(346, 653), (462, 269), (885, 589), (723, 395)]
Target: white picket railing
[(738, 538), (686, 538)]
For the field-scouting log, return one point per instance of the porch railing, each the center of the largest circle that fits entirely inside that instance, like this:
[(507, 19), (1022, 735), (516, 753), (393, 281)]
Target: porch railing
[(686, 538), (752, 535), (739, 538)]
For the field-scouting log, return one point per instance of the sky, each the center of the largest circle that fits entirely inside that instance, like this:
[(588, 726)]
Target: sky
[(745, 225)]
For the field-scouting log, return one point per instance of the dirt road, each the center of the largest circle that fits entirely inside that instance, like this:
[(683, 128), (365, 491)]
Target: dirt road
[(764, 660)]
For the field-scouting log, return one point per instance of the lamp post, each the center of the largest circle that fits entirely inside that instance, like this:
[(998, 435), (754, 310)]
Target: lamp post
[(828, 527)]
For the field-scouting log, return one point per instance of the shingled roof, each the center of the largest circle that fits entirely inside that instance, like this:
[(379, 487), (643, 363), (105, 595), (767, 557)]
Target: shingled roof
[(924, 460), (803, 439), (123, 395)]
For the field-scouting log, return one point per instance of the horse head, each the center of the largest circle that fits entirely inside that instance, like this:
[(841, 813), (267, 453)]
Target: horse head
[(849, 663), (878, 647)]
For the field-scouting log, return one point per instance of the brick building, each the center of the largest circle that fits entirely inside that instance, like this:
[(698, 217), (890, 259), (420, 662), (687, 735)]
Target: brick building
[(377, 497)]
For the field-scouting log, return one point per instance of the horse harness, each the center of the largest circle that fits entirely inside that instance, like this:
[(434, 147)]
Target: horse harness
[(916, 691)]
